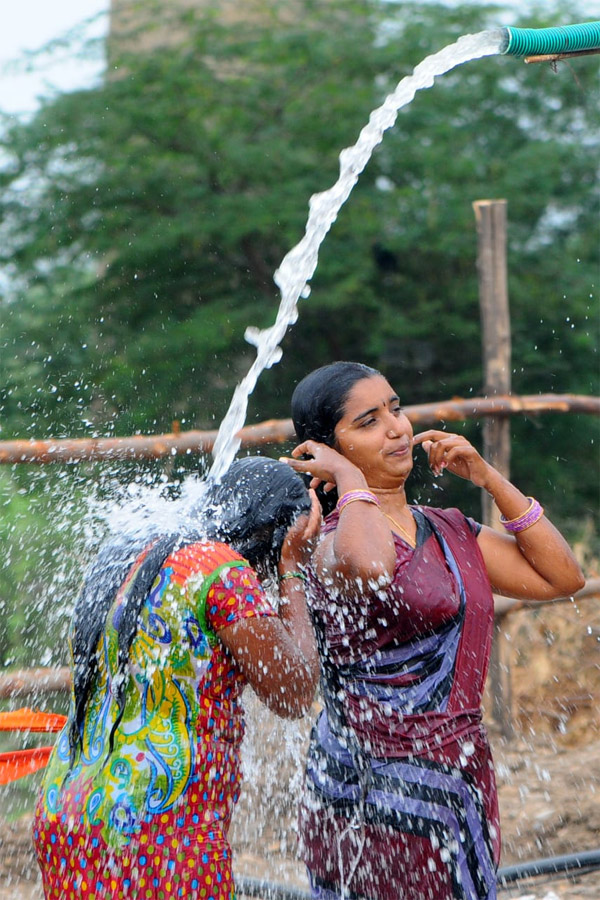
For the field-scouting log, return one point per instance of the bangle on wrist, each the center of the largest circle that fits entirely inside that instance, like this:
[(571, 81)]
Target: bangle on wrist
[(299, 575), (532, 514), (353, 496)]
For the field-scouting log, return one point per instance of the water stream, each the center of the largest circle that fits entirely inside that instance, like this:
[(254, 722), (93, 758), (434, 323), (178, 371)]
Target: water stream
[(298, 266)]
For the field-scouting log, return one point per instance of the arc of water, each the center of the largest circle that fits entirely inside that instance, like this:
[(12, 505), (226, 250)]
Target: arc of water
[(298, 266)]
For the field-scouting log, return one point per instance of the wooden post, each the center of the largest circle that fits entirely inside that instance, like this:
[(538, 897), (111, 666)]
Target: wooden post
[(490, 217)]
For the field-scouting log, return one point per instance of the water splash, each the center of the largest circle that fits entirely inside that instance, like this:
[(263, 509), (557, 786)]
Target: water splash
[(298, 266)]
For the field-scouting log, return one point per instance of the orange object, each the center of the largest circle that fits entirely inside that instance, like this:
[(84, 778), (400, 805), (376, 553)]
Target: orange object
[(30, 720), (17, 763)]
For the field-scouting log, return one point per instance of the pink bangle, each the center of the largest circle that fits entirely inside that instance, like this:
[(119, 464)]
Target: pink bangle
[(352, 496), (532, 514)]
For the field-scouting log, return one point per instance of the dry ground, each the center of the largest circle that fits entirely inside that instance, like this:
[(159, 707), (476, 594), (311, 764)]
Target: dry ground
[(548, 775)]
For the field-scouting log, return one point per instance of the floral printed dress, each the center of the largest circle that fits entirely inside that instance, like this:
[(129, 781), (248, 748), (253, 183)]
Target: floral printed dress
[(149, 819)]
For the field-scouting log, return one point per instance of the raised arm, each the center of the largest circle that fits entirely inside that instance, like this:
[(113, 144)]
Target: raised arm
[(531, 564), (278, 655), (361, 550)]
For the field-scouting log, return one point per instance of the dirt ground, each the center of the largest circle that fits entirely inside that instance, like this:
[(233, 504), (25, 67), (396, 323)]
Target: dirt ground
[(548, 773)]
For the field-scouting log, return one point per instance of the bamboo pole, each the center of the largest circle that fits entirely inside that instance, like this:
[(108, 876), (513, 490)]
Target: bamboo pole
[(490, 217), (276, 431)]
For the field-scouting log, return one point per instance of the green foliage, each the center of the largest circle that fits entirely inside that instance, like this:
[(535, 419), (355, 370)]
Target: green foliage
[(142, 222), (42, 536)]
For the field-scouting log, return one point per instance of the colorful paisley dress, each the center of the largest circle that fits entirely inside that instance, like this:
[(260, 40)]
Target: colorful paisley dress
[(149, 820)]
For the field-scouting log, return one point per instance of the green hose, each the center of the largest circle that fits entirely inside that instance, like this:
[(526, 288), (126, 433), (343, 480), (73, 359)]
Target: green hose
[(547, 41)]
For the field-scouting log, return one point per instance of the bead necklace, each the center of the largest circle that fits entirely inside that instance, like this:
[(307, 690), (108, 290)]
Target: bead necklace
[(408, 537)]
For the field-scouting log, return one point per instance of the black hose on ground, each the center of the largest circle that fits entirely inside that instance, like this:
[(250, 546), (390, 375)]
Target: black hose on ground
[(267, 890), (553, 865)]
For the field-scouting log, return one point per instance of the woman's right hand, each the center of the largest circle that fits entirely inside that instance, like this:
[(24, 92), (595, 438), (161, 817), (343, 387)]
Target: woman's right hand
[(326, 465), (301, 538)]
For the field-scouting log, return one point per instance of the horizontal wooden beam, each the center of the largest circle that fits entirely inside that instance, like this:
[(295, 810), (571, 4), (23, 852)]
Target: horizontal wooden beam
[(275, 431), (34, 682)]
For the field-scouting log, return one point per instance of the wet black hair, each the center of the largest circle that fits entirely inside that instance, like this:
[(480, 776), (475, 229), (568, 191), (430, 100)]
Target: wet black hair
[(319, 399), (318, 404), (250, 509)]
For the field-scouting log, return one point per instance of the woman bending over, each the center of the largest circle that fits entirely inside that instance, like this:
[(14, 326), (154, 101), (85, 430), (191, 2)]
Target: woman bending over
[(138, 794)]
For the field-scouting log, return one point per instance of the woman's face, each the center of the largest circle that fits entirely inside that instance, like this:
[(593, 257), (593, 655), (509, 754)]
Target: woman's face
[(375, 434)]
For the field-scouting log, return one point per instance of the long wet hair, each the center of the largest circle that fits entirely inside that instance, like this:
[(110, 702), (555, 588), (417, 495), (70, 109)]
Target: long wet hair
[(251, 508), (318, 404)]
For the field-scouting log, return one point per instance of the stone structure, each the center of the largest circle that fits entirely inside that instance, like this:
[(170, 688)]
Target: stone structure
[(138, 25)]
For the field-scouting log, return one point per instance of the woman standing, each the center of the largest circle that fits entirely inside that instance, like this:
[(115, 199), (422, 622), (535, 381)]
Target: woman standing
[(400, 793), (139, 792)]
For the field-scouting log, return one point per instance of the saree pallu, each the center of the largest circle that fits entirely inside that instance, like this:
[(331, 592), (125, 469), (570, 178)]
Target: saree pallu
[(400, 799)]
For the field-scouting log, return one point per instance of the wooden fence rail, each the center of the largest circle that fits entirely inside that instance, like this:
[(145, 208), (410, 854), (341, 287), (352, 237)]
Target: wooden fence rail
[(276, 431)]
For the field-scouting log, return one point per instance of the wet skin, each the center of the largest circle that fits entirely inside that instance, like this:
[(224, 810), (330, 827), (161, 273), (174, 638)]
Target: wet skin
[(373, 450)]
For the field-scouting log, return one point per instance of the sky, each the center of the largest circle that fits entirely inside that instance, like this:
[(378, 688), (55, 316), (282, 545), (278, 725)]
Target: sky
[(31, 24), (28, 27)]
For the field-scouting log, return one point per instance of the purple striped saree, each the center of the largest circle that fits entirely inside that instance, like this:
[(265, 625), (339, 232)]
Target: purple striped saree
[(400, 798)]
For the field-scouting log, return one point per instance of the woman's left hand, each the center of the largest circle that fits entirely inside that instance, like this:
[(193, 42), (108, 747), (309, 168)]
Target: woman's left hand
[(455, 453), (536, 563)]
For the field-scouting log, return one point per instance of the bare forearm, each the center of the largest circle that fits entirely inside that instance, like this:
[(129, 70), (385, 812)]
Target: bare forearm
[(509, 499), (541, 545), (295, 618), (283, 676)]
